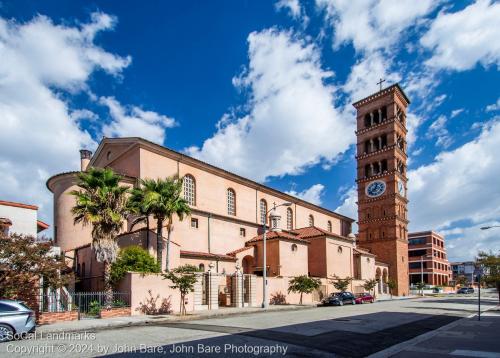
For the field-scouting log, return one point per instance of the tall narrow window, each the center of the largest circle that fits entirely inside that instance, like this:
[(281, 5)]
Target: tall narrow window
[(263, 211), (329, 226), (311, 220), (190, 190), (289, 219), (231, 202)]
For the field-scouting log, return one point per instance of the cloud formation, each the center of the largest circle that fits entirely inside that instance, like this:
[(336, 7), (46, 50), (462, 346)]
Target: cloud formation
[(291, 122), (312, 194)]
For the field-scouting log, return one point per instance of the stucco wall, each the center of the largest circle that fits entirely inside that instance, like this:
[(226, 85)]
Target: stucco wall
[(339, 264), (23, 219), (139, 284), (293, 263)]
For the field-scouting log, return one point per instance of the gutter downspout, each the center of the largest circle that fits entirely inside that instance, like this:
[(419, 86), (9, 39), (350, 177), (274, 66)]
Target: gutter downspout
[(208, 232)]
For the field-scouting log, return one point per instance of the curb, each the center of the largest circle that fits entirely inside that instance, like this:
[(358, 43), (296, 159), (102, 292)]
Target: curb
[(173, 319)]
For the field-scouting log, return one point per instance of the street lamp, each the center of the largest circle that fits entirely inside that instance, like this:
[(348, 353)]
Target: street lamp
[(422, 269), (274, 219)]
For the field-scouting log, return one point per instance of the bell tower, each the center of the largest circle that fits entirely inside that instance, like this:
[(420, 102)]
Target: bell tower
[(381, 179)]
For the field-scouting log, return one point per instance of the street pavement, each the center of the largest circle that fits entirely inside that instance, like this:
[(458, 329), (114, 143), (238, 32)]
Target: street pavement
[(390, 328)]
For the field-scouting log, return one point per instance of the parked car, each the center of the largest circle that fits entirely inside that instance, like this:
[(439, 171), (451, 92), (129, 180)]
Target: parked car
[(339, 299), (364, 298), (16, 319), (465, 290)]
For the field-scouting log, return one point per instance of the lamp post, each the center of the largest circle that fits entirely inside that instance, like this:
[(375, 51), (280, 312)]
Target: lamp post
[(422, 270), (265, 303)]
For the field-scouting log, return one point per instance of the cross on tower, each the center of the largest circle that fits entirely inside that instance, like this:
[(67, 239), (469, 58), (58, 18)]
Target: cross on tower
[(380, 83)]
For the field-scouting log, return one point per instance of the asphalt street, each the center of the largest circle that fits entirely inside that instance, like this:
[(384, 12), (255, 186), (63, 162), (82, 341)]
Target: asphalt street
[(348, 331)]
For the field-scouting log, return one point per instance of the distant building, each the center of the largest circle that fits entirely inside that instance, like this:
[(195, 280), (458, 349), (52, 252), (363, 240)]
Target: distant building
[(427, 259), (466, 268), (20, 219)]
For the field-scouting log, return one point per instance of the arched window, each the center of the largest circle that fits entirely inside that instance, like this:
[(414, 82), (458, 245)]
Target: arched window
[(263, 211), (329, 226), (339, 250), (294, 247), (231, 202), (190, 190), (201, 267), (311, 220), (289, 219)]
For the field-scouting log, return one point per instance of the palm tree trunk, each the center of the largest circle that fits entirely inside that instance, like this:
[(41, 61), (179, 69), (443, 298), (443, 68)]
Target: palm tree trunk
[(108, 289), (168, 249), (159, 240), (147, 233)]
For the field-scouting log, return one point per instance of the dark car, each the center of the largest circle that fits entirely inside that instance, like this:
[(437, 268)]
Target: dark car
[(339, 299), (465, 290), (364, 298), (15, 319)]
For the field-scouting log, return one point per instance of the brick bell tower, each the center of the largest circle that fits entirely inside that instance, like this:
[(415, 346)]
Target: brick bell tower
[(381, 178)]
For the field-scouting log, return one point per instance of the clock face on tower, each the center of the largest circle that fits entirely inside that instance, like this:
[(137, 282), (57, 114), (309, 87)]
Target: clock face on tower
[(375, 188)]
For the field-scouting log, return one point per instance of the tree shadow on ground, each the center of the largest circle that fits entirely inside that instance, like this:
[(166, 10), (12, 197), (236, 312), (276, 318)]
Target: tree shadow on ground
[(354, 336)]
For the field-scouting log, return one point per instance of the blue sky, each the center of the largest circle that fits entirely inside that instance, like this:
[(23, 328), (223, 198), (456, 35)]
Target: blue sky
[(262, 88)]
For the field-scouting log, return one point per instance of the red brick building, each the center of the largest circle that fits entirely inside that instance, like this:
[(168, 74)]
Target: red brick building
[(381, 178), (428, 261)]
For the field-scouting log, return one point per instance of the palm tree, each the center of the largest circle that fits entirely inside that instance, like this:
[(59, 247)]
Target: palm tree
[(163, 199), (101, 202), (138, 209)]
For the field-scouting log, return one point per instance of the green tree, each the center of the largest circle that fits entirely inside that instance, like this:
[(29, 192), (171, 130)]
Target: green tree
[(462, 281), (102, 203), (23, 259), (490, 263), (303, 284), (341, 284), (369, 285), (133, 259), (183, 278), (392, 285), (163, 199), (421, 286)]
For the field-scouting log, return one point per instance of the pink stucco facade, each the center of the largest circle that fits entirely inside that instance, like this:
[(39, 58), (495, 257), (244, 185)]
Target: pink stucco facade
[(213, 234)]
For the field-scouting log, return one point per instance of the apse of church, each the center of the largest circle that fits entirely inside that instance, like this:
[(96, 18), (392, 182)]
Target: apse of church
[(382, 181)]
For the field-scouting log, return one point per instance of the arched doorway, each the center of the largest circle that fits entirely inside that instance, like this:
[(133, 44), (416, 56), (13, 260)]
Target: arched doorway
[(247, 264), (378, 277), (384, 280)]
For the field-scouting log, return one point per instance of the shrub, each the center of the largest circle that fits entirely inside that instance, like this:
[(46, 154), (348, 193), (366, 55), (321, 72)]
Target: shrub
[(119, 303), (303, 284), (183, 278), (94, 308), (278, 298), (135, 259), (149, 306)]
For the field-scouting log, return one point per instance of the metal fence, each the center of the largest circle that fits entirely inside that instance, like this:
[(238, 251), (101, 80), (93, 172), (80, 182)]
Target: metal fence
[(87, 304)]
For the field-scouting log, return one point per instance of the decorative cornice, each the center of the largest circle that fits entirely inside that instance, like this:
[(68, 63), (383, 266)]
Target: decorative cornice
[(382, 175), (383, 150), (392, 217), (395, 88), (383, 197)]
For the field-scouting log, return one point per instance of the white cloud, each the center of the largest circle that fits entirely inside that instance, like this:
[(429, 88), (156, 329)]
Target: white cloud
[(464, 38), (39, 135), (456, 112), (312, 194), (372, 25), (438, 130), (295, 10), (349, 206), (292, 122), (494, 106), (132, 121)]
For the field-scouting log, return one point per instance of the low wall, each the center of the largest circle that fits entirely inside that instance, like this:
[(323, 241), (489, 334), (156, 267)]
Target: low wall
[(139, 285), (115, 312), (53, 317)]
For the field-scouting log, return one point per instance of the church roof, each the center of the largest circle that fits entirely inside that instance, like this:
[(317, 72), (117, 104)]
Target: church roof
[(313, 231), (276, 235), (207, 255)]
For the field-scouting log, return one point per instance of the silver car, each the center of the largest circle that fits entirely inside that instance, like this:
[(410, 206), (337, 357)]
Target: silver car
[(16, 320)]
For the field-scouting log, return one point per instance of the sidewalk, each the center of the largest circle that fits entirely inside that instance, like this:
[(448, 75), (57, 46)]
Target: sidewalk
[(119, 322), (466, 337)]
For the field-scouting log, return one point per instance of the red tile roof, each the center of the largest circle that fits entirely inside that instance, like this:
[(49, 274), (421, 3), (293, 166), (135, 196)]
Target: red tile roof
[(363, 251), (273, 235), (41, 225), (18, 205), (233, 253), (313, 231), (207, 255)]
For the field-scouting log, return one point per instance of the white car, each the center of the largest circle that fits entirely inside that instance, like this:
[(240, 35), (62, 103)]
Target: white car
[(16, 320)]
